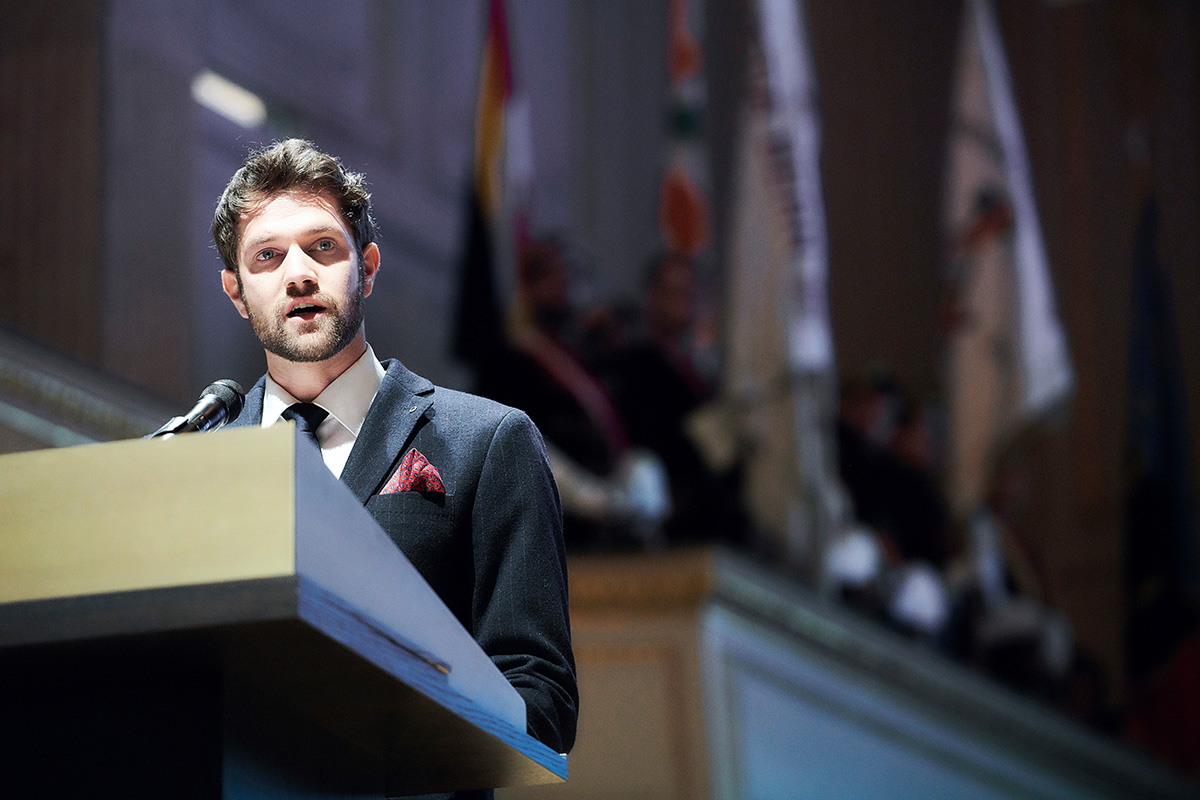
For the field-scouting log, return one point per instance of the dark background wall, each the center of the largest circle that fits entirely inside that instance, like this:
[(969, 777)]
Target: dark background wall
[(50, 163)]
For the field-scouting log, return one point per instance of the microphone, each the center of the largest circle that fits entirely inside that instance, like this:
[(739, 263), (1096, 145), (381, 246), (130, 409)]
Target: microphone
[(219, 404)]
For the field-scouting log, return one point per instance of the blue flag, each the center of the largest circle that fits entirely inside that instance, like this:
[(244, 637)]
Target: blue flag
[(1162, 577)]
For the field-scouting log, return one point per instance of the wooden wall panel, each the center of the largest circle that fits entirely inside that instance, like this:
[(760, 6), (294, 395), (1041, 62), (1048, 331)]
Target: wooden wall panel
[(49, 172)]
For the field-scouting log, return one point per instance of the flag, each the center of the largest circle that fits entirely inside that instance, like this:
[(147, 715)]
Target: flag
[(683, 211), (1007, 360), (779, 352), (479, 327), (1162, 574), (495, 89)]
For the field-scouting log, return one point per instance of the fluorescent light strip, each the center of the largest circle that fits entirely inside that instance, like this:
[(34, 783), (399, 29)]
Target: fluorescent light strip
[(231, 101)]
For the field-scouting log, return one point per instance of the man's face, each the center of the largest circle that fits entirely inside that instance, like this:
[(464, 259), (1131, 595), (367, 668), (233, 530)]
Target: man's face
[(299, 280)]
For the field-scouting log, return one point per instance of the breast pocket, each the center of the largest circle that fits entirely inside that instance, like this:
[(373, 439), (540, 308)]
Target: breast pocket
[(428, 534), (412, 519)]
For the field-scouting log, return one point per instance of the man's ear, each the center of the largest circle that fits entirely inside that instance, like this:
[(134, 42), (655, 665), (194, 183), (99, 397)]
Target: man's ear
[(229, 283), (370, 267)]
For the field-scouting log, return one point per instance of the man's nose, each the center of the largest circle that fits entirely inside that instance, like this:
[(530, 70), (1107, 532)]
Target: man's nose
[(298, 268)]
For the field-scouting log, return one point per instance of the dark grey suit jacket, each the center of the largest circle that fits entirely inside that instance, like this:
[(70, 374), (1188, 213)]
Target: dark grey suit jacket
[(492, 547)]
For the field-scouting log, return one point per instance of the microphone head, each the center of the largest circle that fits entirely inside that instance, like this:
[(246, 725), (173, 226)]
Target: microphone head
[(218, 405), (231, 394)]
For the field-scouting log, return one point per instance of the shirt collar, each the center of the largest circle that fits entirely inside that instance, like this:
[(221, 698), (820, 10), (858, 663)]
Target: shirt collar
[(347, 399)]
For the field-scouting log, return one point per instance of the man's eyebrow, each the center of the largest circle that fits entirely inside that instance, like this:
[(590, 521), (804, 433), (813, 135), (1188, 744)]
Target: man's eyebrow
[(270, 236)]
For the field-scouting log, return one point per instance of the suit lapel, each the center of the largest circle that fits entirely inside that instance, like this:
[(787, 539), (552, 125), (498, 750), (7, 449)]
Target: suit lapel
[(252, 406), (400, 404)]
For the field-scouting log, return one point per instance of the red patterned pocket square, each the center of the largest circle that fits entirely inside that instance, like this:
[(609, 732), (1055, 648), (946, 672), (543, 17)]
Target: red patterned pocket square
[(415, 474)]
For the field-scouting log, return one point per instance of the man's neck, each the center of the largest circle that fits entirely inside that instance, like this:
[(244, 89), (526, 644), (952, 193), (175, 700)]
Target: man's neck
[(305, 380)]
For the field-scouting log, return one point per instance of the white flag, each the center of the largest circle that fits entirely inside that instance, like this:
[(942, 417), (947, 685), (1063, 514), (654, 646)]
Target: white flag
[(1007, 361), (779, 365)]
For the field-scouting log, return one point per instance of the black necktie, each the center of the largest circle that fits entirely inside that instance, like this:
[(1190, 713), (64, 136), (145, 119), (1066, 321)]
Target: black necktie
[(308, 417)]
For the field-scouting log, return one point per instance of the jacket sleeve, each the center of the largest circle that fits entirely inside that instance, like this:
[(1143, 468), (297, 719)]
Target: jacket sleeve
[(519, 603)]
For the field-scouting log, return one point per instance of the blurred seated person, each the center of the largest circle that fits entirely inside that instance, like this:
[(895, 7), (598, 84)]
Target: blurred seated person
[(658, 385), (1008, 627), (886, 459), (863, 427), (613, 496), (915, 516)]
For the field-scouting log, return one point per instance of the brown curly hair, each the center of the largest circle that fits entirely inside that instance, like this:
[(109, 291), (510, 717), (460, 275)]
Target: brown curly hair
[(293, 165)]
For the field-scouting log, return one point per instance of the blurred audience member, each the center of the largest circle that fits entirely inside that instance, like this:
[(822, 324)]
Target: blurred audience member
[(863, 428), (1008, 628), (658, 385), (886, 459), (612, 495), (913, 514)]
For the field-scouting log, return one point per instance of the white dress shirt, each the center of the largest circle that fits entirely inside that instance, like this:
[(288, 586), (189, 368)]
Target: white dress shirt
[(347, 400)]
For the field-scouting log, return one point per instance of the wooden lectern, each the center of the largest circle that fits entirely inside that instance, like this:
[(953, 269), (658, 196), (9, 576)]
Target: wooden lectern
[(217, 616)]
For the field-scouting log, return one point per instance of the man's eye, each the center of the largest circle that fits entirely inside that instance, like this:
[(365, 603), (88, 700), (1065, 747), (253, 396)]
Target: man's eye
[(267, 255), (325, 244)]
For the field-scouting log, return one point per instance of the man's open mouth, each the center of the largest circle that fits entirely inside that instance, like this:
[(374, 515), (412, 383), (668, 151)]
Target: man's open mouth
[(305, 311)]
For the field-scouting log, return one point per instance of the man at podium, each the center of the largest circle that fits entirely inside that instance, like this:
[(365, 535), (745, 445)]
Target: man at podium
[(461, 484)]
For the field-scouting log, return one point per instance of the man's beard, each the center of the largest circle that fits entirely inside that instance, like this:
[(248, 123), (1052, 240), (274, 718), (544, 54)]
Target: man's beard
[(337, 327)]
